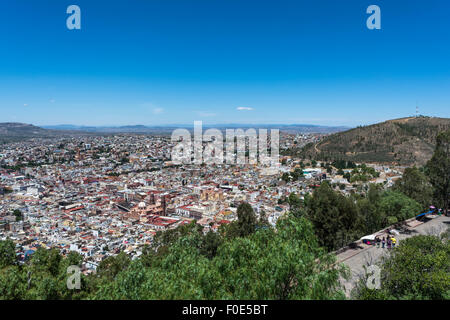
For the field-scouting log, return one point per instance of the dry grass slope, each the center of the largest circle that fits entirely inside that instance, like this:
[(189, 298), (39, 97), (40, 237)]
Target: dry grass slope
[(404, 141)]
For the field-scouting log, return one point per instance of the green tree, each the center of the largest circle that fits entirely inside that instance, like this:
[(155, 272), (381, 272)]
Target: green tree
[(294, 201), (45, 276), (247, 221), (295, 205), (263, 221), (369, 209), (12, 283), (438, 169), (180, 273), (211, 241), (167, 238), (335, 217), (296, 174), (348, 176), (415, 185), (18, 214), (268, 264), (111, 266), (46, 260), (396, 207), (7, 253), (283, 264), (286, 177)]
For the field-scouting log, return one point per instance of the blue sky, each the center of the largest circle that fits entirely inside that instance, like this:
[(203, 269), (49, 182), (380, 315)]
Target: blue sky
[(157, 62)]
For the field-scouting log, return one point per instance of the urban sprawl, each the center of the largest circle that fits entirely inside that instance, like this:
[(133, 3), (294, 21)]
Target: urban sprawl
[(100, 195)]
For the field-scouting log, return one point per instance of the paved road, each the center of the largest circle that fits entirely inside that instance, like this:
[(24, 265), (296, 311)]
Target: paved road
[(355, 259)]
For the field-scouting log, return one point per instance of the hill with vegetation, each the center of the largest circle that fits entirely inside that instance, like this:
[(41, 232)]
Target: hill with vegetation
[(15, 132), (404, 141)]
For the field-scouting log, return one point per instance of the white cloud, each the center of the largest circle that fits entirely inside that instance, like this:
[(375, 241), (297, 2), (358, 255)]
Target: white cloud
[(244, 108), (158, 110), (154, 108), (25, 104)]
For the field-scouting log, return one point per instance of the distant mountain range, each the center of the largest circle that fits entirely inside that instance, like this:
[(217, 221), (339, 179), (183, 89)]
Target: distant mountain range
[(13, 131), (291, 128), (405, 141)]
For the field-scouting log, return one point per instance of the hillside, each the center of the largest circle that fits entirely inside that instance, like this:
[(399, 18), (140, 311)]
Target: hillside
[(405, 141), (14, 132), (20, 129)]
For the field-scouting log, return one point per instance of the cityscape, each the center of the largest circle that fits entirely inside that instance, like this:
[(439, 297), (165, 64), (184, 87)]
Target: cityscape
[(174, 155)]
